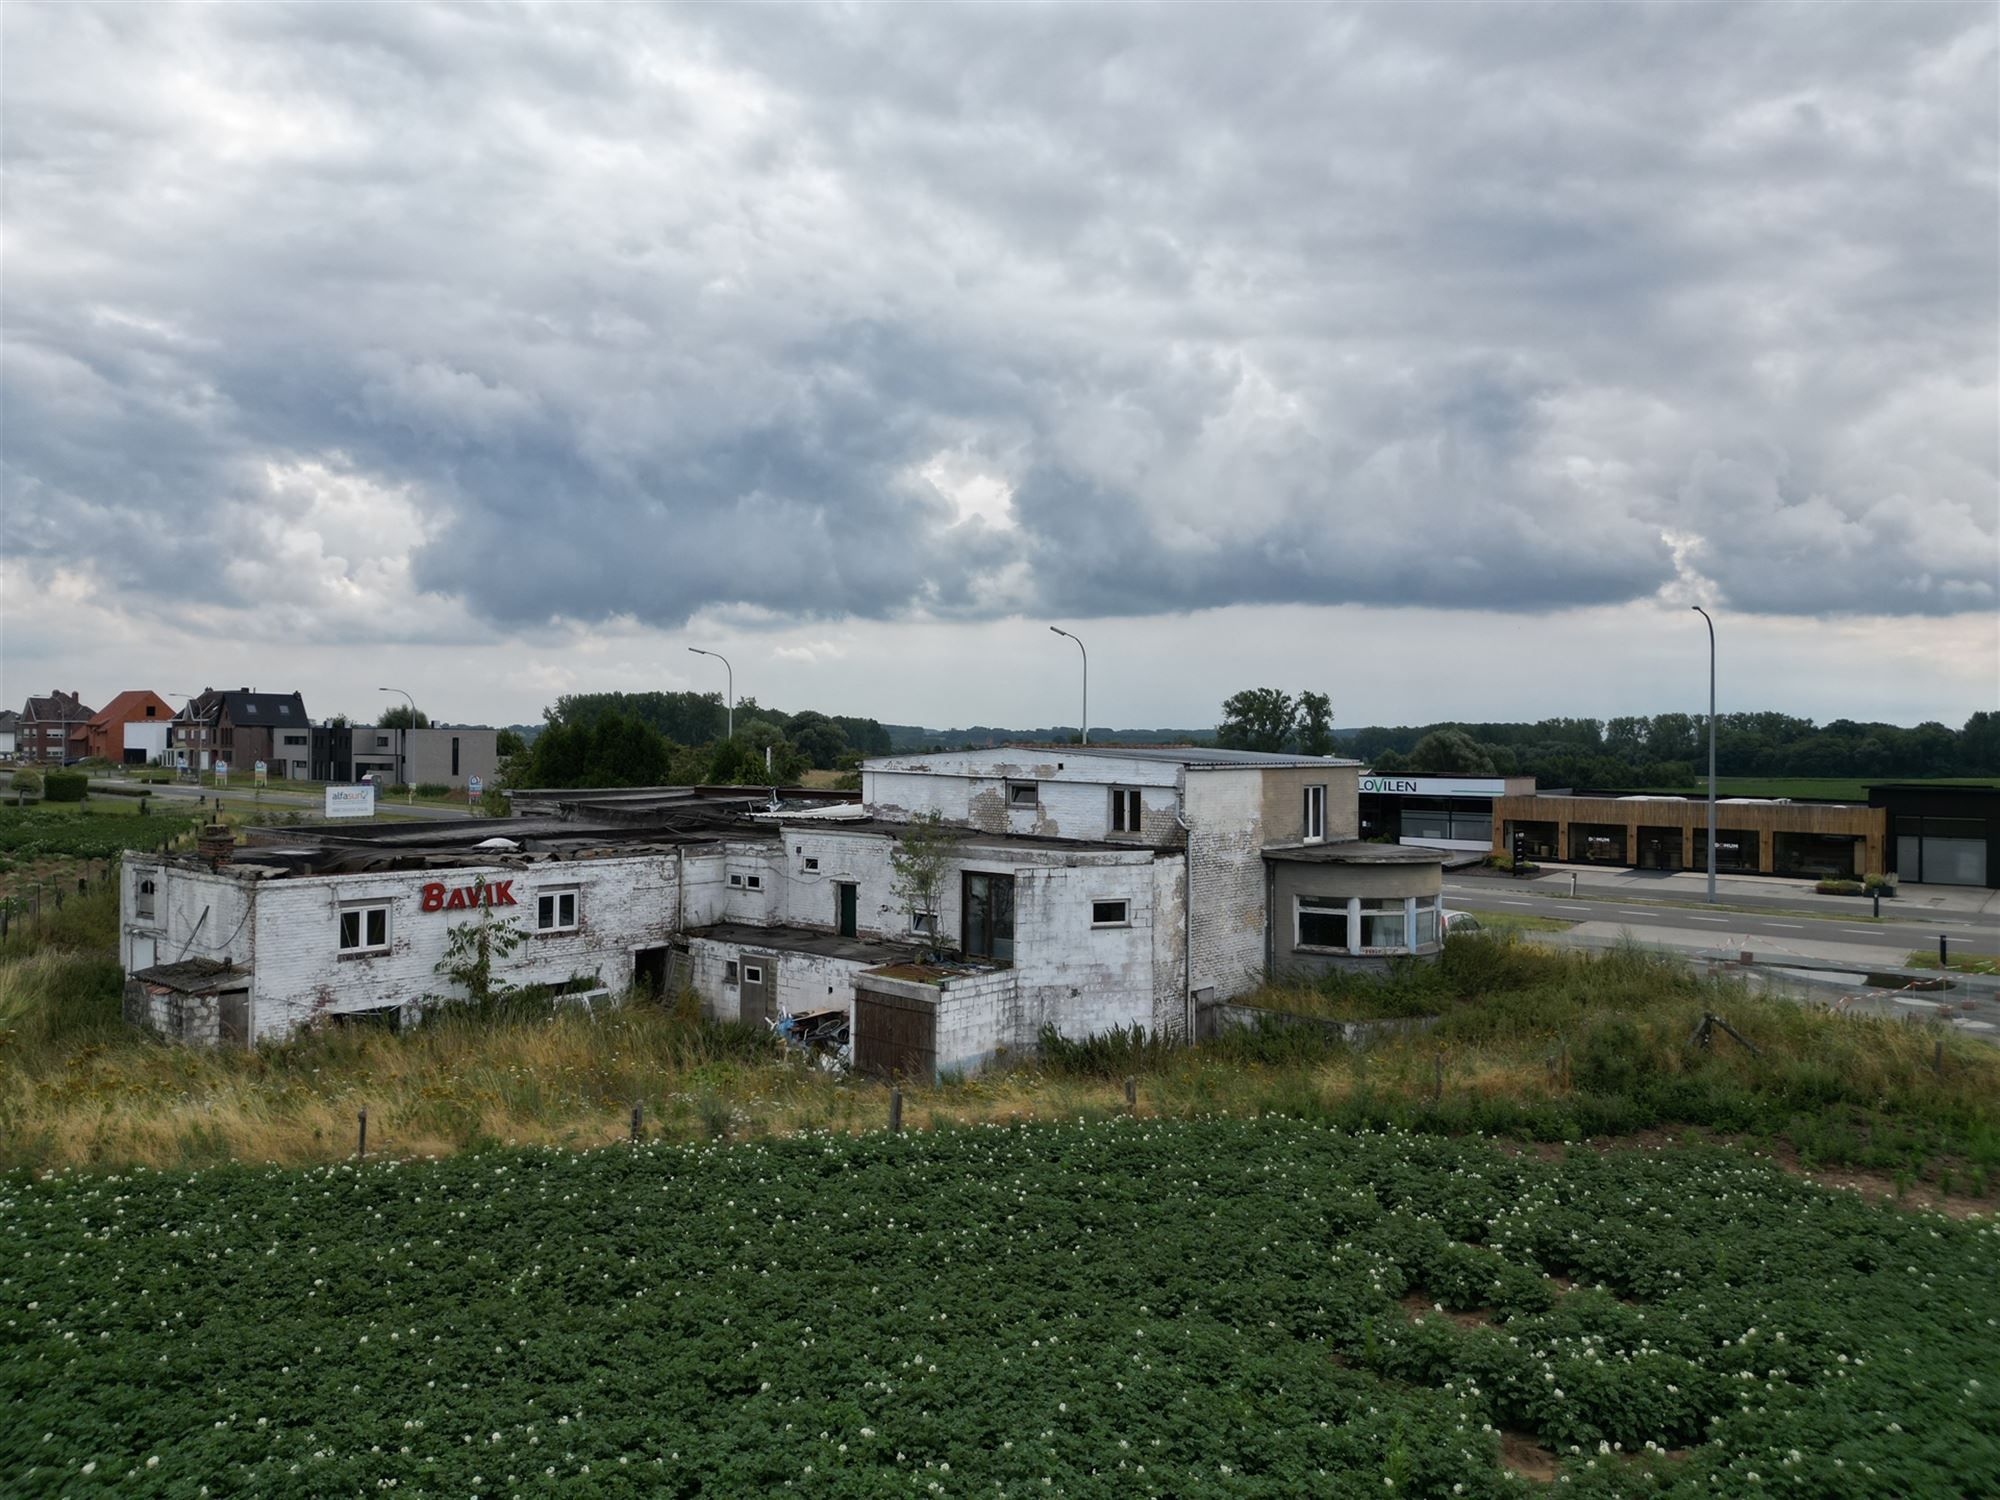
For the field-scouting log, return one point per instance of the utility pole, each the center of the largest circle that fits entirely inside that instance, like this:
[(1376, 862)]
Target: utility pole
[(403, 760), (730, 679), (1083, 736), (1711, 750)]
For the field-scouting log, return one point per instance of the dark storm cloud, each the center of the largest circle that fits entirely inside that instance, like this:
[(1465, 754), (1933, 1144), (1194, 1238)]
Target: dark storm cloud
[(643, 313)]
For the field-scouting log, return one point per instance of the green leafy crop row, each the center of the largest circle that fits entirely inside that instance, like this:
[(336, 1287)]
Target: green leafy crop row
[(31, 832), (1207, 1308)]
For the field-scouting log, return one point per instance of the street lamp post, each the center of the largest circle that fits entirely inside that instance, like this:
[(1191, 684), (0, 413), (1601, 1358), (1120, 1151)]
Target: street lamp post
[(1711, 749), (403, 760), (730, 678), (1083, 737)]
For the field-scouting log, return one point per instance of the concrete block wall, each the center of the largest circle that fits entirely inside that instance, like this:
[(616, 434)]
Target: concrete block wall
[(1073, 793), (1068, 973), (1225, 808), (1170, 1010)]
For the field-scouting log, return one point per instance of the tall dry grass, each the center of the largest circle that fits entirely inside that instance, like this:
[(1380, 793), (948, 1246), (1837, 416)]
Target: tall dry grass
[(1538, 1043)]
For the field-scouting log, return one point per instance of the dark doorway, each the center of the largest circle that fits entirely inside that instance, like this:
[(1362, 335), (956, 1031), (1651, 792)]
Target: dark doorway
[(649, 971), (1660, 848), (757, 991), (989, 917), (233, 1013), (849, 903)]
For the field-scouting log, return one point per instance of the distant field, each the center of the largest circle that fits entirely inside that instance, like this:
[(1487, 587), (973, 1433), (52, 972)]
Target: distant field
[(1815, 788)]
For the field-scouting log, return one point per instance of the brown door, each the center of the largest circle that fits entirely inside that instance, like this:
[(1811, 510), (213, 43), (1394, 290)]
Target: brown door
[(233, 1016), (895, 1037), (757, 991)]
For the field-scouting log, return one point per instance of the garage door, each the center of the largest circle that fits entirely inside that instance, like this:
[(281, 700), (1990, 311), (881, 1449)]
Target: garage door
[(894, 1037)]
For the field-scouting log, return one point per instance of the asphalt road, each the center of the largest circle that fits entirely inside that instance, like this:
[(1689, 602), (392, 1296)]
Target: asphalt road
[(1780, 930)]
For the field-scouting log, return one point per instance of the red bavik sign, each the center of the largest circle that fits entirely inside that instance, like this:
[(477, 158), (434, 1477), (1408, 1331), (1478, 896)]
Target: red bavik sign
[(438, 898)]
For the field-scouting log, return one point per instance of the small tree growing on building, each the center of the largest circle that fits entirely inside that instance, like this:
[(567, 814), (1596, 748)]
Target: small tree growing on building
[(918, 866), (471, 949)]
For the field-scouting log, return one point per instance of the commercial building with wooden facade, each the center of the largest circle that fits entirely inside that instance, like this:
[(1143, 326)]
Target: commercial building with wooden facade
[(1753, 836)]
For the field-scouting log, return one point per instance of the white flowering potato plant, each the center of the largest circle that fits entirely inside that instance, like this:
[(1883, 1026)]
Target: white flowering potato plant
[(1215, 1307)]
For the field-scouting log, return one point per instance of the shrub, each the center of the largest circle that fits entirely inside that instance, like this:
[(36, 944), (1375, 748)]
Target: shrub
[(433, 789), (65, 786), (1886, 884), (1840, 888), (27, 783)]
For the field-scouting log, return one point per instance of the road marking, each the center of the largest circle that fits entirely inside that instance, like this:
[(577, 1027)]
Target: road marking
[(1864, 931), (1789, 926), (1723, 920), (1503, 901)]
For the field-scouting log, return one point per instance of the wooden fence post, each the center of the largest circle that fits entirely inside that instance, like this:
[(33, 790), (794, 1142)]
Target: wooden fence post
[(1131, 1093), (638, 1114), (361, 1149), (895, 1109)]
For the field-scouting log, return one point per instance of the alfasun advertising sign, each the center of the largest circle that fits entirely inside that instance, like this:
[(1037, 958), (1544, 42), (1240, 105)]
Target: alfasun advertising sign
[(350, 801)]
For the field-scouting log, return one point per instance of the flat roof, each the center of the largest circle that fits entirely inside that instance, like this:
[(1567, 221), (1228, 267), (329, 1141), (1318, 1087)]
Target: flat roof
[(805, 940), (1355, 852), (980, 838), (1194, 757)]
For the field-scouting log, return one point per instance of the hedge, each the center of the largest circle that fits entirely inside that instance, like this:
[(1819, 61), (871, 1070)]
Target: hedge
[(65, 786)]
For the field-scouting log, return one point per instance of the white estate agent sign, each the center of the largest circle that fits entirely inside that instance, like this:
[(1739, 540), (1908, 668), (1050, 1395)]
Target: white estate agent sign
[(350, 801)]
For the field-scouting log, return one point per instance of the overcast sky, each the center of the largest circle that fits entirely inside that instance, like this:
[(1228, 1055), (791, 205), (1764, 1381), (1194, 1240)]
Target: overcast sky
[(1435, 357)]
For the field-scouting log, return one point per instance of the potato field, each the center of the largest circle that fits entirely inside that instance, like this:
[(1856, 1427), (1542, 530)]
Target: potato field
[(1216, 1307)]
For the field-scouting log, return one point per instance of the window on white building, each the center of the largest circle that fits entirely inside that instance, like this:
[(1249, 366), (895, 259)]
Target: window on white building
[(555, 911), (737, 881), (1315, 814), (1022, 794), (1322, 923), (364, 929), (753, 882), (1110, 914), (753, 974), (1427, 920), (729, 972), (1124, 809), (923, 923), (811, 862), (143, 900)]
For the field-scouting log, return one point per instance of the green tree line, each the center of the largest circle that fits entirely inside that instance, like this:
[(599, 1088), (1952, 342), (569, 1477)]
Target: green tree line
[(1671, 750), (676, 739)]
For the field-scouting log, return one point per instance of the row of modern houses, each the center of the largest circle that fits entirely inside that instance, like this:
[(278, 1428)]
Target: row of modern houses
[(244, 732)]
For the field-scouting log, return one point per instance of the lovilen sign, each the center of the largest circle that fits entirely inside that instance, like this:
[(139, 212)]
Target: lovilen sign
[(460, 898)]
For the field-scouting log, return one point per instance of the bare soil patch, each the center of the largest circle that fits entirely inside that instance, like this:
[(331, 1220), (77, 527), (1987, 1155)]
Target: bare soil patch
[(1521, 1454), (1418, 1305)]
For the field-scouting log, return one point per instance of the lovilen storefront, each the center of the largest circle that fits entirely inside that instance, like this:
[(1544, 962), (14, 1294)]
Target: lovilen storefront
[(1437, 812)]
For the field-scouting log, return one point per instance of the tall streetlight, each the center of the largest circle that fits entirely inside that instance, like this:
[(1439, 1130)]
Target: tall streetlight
[(1711, 749), (404, 758), (1084, 738), (731, 679)]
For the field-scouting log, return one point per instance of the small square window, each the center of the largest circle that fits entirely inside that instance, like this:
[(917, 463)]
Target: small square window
[(1110, 914), (811, 863), (753, 974), (753, 882), (364, 929), (924, 923), (555, 911), (1022, 794), (737, 881)]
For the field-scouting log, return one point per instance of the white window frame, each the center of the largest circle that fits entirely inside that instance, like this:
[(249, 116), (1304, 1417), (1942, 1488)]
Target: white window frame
[(1127, 807), (1345, 907), (1015, 801), (753, 973), (361, 911), (1124, 905), (548, 909), (923, 924), (753, 882), (736, 880), (145, 898), (812, 862), (1314, 814)]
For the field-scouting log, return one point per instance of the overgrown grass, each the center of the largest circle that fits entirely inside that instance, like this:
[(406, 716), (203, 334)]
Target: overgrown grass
[(1924, 958), (1531, 1043)]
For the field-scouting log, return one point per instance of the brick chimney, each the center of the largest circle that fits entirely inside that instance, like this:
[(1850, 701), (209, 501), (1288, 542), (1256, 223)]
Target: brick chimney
[(216, 844)]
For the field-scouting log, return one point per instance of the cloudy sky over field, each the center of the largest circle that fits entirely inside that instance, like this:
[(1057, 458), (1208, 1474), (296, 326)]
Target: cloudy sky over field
[(1434, 356)]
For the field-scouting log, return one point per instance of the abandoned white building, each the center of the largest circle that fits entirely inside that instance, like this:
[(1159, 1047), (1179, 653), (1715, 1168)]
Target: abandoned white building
[(1081, 888)]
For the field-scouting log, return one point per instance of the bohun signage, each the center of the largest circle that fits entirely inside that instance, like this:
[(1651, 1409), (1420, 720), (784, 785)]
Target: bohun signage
[(438, 898)]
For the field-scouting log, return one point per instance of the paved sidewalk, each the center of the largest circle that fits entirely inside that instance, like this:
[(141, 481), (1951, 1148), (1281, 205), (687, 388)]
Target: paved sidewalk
[(1911, 901)]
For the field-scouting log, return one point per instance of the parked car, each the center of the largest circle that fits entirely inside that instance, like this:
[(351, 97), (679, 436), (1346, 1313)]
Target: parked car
[(1460, 921)]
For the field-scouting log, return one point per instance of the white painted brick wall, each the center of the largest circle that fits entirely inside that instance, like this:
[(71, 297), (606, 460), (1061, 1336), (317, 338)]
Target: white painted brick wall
[(1226, 811), (290, 935)]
